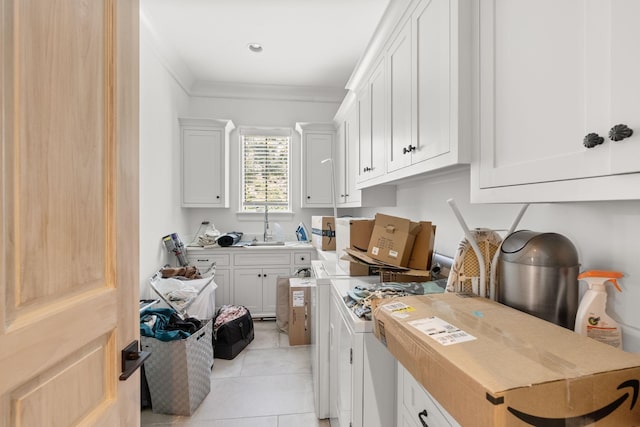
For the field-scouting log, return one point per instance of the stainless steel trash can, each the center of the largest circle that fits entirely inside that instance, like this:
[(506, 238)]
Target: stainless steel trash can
[(539, 275)]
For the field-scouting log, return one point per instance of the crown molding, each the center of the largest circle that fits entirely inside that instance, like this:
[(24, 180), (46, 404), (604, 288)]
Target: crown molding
[(267, 92), (167, 56)]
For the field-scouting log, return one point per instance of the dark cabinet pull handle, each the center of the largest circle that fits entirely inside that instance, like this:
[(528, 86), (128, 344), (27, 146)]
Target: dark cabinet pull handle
[(259, 275), (592, 139), (408, 149), (342, 195), (346, 195), (301, 258), (423, 414), (264, 275), (217, 197), (620, 132), (367, 169), (308, 197)]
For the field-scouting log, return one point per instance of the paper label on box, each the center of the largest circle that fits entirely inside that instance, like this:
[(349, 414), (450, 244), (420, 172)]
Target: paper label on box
[(441, 331), (393, 254), (398, 309), (375, 250), (298, 298)]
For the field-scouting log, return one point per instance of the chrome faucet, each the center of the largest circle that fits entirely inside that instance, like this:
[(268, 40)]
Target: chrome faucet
[(268, 236)]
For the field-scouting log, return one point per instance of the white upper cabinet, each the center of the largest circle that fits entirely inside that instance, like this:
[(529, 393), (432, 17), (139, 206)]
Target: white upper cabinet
[(551, 73), (347, 161), (422, 121), (441, 96), (399, 57), (372, 122), (317, 145), (205, 160)]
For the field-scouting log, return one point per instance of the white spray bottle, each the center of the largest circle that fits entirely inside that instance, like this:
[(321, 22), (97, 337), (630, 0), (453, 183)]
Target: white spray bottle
[(591, 319)]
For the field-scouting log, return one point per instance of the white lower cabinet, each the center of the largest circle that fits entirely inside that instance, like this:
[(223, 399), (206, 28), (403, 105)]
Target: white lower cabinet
[(416, 407), (204, 260), (248, 276), (362, 372), (255, 288)]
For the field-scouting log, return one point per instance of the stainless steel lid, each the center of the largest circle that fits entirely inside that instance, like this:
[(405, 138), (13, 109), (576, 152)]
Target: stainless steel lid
[(539, 249)]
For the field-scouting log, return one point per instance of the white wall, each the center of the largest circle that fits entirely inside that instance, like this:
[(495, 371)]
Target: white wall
[(259, 113), (606, 234), (162, 101)]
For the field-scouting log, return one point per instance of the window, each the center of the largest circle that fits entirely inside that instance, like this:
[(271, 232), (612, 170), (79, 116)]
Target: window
[(265, 173)]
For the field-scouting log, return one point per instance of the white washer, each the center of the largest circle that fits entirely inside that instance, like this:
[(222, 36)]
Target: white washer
[(323, 272)]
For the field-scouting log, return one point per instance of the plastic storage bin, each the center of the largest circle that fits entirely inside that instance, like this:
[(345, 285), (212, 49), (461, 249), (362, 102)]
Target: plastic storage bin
[(179, 372)]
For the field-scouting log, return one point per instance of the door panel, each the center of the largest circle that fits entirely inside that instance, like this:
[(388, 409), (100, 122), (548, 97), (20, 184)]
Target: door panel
[(69, 206)]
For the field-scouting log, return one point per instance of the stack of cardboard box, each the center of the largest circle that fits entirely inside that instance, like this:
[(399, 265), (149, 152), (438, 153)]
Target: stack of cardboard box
[(397, 248)]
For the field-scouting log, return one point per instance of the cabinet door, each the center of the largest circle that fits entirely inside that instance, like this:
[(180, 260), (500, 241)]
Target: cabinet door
[(371, 117), (400, 145), (334, 327), (543, 91), (364, 135), (270, 286), (341, 159), (247, 289), (223, 294), (378, 121), (352, 155), (432, 79), (317, 175), (345, 373), (202, 166)]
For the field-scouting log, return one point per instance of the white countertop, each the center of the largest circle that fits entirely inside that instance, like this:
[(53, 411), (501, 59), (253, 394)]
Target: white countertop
[(286, 246)]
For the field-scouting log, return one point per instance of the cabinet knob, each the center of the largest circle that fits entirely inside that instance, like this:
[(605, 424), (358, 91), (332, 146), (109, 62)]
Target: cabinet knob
[(259, 275), (425, 415), (217, 197), (592, 139), (346, 195), (264, 275), (301, 258), (367, 169), (308, 197), (342, 195), (620, 132)]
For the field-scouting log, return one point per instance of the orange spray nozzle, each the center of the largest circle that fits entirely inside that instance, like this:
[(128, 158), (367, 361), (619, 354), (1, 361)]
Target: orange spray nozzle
[(610, 276)]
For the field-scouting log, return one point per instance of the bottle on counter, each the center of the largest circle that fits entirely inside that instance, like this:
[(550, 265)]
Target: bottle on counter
[(591, 319)]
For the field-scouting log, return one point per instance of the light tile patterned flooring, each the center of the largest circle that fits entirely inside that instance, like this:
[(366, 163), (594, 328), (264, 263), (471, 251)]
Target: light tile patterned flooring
[(267, 385)]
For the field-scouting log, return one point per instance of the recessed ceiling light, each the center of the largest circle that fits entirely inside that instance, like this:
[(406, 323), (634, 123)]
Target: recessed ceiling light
[(255, 47)]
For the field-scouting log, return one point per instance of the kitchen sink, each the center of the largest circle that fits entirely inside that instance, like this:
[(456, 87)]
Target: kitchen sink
[(257, 243)]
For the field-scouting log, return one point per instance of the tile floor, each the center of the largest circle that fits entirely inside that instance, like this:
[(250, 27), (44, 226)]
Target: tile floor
[(267, 385)]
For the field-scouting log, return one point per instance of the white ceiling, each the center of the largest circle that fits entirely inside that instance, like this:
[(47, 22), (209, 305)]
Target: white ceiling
[(307, 43)]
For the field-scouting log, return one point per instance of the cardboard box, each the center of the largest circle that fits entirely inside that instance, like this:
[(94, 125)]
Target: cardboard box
[(405, 276), (300, 312), (392, 239), (179, 372), (422, 252), (490, 365), (353, 233), (323, 233)]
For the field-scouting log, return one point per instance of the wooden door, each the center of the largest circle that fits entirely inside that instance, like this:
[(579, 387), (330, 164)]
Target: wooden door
[(69, 209)]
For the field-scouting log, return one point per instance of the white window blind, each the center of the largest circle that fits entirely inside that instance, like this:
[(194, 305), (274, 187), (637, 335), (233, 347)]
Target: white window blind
[(265, 173)]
